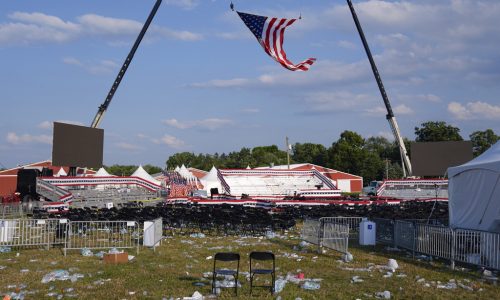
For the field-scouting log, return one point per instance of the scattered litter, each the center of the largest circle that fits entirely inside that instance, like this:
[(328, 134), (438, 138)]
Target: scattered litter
[(383, 295), (392, 264), (347, 257), (356, 279), (2, 267), (61, 275), (187, 242), (394, 249), (465, 287), (270, 234), (196, 296), (25, 270), (207, 274), (199, 283), (86, 252), (209, 257), (279, 285), (197, 235), (5, 249), (311, 285), (304, 244), (115, 251), (449, 286), (401, 275), (369, 269), (388, 275)]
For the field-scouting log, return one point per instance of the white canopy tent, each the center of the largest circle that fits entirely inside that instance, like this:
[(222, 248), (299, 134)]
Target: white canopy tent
[(101, 173), (140, 172), (474, 192), (211, 180), (61, 172)]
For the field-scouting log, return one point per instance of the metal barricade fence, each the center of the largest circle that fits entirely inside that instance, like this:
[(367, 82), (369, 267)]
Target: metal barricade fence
[(477, 247), (102, 235), (384, 231), (434, 240), (352, 222), (335, 236), (15, 210), (32, 233), (311, 231), (404, 235)]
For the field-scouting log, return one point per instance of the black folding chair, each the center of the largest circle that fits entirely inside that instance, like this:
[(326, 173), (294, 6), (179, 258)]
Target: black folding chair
[(226, 257), (257, 257)]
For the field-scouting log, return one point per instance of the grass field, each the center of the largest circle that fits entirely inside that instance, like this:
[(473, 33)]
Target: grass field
[(176, 269)]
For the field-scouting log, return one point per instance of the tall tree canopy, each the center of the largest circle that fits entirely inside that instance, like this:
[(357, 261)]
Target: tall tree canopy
[(437, 132), (483, 140)]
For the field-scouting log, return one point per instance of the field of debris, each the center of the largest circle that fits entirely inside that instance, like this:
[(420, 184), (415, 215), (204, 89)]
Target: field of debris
[(180, 268)]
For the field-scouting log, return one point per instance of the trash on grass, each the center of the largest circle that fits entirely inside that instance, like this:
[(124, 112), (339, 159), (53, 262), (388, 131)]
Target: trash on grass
[(86, 252), (383, 295), (311, 285)]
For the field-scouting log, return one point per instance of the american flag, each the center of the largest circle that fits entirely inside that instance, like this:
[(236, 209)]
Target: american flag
[(270, 32)]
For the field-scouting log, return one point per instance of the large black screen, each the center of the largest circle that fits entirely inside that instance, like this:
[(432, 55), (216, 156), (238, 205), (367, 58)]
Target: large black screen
[(434, 158), (77, 146)]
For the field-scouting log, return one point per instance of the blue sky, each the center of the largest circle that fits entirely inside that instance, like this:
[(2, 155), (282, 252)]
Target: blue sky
[(201, 83)]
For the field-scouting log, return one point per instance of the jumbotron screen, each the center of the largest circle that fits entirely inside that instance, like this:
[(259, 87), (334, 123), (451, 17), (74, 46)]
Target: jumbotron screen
[(434, 158), (77, 146)]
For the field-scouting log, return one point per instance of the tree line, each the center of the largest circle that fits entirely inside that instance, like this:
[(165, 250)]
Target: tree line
[(373, 158)]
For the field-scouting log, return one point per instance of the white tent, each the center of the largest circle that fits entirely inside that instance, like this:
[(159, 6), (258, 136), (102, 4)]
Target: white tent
[(61, 172), (474, 192), (211, 180), (140, 172), (101, 173)]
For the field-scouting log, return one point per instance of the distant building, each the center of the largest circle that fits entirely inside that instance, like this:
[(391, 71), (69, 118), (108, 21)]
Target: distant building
[(8, 178)]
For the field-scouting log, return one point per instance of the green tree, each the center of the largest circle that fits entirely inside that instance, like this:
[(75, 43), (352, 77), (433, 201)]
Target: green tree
[(309, 153), (121, 170), (267, 155), (437, 132), (152, 169), (482, 141), (178, 159)]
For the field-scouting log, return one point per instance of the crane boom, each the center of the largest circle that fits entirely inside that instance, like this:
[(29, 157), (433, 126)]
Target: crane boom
[(405, 161), (103, 107)]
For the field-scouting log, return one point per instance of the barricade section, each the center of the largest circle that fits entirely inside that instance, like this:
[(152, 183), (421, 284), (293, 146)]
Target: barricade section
[(102, 235), (311, 231), (434, 240), (385, 231), (153, 232), (31, 233), (405, 234), (478, 248), (351, 222), (15, 210), (335, 236)]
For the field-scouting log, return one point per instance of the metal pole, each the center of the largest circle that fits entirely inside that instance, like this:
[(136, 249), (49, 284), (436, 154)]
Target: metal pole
[(390, 114), (121, 73)]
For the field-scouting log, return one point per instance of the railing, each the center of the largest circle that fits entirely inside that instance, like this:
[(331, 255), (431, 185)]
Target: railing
[(32, 233), (335, 236), (331, 233), (474, 247), (102, 235), (351, 222), (311, 231)]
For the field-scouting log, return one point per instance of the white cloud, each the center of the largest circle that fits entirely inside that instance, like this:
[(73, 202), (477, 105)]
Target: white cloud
[(223, 83), (15, 139), (30, 28), (102, 67), (323, 102), (474, 111), (175, 123), (250, 110), (127, 146), (170, 141), (185, 4), (207, 124), (50, 124), (402, 110)]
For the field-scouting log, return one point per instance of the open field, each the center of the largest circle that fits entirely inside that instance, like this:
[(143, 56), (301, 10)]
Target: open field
[(177, 267)]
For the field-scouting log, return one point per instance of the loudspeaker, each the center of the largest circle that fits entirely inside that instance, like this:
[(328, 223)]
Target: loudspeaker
[(214, 191)]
